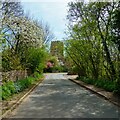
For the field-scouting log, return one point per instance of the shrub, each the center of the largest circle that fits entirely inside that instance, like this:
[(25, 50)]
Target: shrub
[(10, 61), (36, 59), (18, 87), (24, 83), (105, 84), (9, 88), (37, 75)]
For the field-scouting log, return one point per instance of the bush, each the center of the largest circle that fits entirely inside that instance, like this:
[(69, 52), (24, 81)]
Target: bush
[(10, 88), (18, 87), (73, 70), (105, 84), (57, 69), (24, 83), (10, 61), (36, 59), (37, 75)]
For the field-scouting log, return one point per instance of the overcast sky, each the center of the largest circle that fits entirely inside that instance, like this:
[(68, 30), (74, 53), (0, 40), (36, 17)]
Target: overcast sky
[(52, 12)]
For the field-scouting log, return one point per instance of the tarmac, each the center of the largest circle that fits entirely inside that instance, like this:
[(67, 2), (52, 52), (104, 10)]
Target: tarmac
[(58, 97)]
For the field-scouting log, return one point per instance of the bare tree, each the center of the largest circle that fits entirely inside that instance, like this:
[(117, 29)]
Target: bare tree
[(48, 35)]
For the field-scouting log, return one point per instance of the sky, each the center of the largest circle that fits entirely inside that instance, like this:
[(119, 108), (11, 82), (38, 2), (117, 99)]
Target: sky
[(52, 12)]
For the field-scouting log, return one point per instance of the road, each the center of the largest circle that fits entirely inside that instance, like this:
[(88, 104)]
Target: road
[(57, 97)]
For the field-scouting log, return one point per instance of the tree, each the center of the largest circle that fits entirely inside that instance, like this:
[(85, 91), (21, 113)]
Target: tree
[(48, 35), (10, 12), (116, 36), (90, 45), (21, 32), (116, 26), (36, 59)]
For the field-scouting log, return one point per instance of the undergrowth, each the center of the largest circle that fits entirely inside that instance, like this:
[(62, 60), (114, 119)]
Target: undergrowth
[(9, 88), (108, 85)]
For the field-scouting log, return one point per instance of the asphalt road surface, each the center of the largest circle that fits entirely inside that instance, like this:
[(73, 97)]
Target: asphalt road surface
[(57, 97)]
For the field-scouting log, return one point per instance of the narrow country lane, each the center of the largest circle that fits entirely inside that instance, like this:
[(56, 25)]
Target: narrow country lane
[(57, 97)]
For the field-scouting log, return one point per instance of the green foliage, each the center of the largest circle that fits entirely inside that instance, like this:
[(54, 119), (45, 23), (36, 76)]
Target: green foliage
[(105, 84), (57, 48), (116, 27), (0, 93), (51, 64), (53, 60), (37, 75), (92, 46), (54, 66), (59, 68), (10, 88), (23, 39), (118, 86), (10, 61), (36, 59), (6, 65)]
